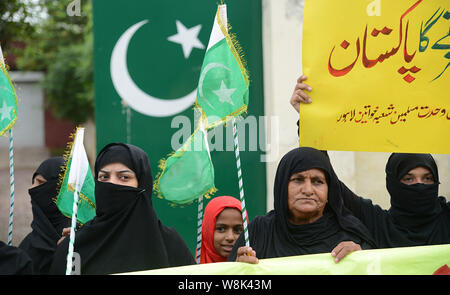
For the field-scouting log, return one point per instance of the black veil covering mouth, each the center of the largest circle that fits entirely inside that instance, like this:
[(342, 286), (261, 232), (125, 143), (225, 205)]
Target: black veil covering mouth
[(126, 235), (415, 208), (48, 222)]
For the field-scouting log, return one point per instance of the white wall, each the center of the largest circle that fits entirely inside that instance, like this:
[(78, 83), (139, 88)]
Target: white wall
[(361, 171)]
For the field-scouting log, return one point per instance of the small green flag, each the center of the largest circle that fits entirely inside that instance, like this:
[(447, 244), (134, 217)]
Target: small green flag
[(77, 175), (222, 91), (8, 100), (188, 173)]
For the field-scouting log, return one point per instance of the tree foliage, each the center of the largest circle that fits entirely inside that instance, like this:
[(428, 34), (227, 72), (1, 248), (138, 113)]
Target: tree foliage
[(15, 23), (62, 46)]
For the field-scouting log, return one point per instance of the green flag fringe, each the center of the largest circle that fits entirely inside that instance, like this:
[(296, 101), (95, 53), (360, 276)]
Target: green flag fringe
[(62, 175)]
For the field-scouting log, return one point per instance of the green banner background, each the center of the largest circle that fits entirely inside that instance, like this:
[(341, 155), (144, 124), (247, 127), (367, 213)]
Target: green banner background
[(159, 68)]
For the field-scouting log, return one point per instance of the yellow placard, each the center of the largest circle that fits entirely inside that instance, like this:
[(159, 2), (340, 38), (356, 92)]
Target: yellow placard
[(380, 73)]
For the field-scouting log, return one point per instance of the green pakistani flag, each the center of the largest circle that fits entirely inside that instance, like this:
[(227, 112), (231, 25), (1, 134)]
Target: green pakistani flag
[(8, 100), (222, 91), (77, 175), (188, 173)]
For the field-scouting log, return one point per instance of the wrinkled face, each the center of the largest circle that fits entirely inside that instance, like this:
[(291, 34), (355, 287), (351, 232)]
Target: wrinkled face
[(228, 228), (38, 180), (418, 175), (307, 196), (118, 173)]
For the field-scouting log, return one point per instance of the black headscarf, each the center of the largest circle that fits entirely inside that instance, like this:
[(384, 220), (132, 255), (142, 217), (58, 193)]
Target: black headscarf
[(417, 209), (273, 235), (417, 215), (126, 235), (48, 222), (14, 261)]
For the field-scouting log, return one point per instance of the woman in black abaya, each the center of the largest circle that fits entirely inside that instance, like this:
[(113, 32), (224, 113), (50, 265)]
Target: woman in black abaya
[(279, 234), (418, 215), (48, 222), (126, 234)]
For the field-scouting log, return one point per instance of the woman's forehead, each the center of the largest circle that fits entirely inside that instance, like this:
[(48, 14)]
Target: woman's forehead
[(116, 166), (310, 172), (420, 170)]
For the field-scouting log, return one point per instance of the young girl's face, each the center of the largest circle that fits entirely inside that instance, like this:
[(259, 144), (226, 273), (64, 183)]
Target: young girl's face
[(228, 228)]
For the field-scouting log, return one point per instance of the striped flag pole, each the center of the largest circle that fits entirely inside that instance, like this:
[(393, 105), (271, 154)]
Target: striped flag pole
[(200, 199), (199, 229), (78, 138), (241, 185), (11, 186), (72, 233)]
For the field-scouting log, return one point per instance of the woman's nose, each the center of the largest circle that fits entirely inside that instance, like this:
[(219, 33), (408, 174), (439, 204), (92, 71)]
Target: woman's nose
[(307, 187), (229, 235)]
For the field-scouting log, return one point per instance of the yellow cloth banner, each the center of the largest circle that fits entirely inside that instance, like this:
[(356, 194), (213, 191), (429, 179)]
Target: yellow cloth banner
[(421, 260), (380, 73)]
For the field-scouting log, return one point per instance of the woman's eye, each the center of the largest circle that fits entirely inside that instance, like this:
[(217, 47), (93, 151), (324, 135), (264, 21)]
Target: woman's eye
[(220, 229), (318, 182), (429, 179), (238, 230), (102, 177)]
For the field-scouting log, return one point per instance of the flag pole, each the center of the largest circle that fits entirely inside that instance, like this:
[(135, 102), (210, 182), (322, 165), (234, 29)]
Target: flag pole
[(224, 18), (72, 233), (199, 229), (78, 136), (11, 186), (200, 199), (241, 185)]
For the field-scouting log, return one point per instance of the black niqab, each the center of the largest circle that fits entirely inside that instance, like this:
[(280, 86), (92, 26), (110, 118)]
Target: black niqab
[(48, 222), (273, 235), (417, 209), (126, 235), (418, 216)]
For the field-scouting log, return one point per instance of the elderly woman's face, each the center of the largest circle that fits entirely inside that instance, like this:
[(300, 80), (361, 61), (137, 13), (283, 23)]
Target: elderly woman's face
[(307, 196), (118, 173)]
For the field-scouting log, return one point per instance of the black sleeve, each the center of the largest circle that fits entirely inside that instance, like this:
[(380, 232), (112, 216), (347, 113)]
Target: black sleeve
[(14, 261), (351, 200), (59, 262), (177, 249)]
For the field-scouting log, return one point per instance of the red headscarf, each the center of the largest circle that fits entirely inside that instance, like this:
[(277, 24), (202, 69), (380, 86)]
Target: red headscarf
[(208, 253)]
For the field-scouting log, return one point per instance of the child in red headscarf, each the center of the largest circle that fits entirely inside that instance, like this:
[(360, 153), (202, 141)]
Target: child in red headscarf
[(222, 225)]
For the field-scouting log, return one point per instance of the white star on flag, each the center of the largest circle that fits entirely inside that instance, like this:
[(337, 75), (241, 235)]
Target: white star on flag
[(5, 112), (224, 93), (188, 38)]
